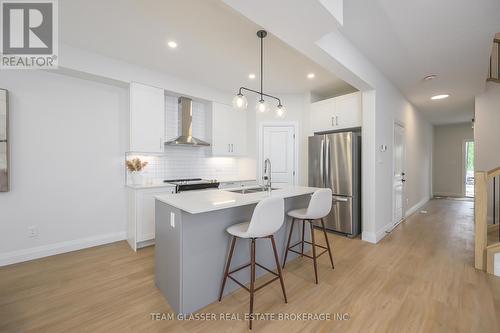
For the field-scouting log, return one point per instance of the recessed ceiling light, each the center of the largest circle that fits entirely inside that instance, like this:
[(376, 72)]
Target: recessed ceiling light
[(443, 96), (310, 76), (430, 77), (172, 44), (251, 76)]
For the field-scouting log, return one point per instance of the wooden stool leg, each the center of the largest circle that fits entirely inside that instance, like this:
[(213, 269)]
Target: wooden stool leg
[(303, 232), (279, 267), (327, 243), (252, 280), (228, 264), (288, 243), (314, 251)]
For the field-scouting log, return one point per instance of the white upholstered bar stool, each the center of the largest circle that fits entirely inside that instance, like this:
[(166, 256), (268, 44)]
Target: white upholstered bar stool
[(319, 207), (267, 218)]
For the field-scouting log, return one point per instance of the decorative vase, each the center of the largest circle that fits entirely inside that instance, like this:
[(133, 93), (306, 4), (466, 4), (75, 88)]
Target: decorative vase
[(136, 178)]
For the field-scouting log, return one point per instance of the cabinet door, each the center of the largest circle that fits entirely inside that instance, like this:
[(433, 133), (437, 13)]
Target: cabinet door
[(146, 221), (239, 133), (147, 118), (321, 115), (336, 113), (348, 110), (228, 131)]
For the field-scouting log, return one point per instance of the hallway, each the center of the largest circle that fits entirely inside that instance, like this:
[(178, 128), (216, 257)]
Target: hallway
[(418, 279)]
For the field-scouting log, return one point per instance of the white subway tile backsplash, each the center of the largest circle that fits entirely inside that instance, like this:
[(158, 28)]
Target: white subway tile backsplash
[(191, 162)]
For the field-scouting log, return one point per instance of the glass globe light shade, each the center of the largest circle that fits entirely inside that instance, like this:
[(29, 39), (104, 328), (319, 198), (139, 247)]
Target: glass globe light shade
[(240, 102), (262, 106), (280, 111)]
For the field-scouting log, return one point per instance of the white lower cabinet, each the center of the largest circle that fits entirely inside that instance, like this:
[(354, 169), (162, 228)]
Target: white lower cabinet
[(141, 215)]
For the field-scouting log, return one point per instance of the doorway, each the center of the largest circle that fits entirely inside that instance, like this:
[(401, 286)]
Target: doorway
[(469, 169), (399, 173), (277, 142)]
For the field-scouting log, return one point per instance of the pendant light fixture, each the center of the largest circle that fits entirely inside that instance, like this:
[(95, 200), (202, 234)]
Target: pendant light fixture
[(240, 102)]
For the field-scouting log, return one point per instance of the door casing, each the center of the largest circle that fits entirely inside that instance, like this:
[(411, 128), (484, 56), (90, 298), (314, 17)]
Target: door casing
[(398, 127), (260, 150)]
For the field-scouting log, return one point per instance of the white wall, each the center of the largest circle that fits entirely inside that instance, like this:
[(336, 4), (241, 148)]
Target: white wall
[(486, 133), (321, 40), (487, 137), (383, 105), (297, 112), (448, 161), (67, 141), (419, 159), (80, 62), (69, 135)]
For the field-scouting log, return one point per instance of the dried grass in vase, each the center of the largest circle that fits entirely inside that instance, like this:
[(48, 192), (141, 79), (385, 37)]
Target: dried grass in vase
[(135, 165)]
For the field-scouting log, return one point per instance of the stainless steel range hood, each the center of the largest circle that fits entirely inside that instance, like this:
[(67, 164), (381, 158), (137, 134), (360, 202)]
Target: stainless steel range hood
[(186, 115)]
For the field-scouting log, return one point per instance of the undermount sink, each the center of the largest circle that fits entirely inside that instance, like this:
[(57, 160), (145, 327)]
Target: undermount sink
[(251, 190)]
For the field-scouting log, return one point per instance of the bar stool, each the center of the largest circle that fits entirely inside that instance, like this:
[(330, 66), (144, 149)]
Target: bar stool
[(319, 207), (267, 218)]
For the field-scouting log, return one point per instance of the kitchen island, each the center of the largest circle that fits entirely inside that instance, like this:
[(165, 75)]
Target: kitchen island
[(192, 242)]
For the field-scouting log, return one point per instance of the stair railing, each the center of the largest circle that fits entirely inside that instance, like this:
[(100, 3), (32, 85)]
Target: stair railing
[(482, 250)]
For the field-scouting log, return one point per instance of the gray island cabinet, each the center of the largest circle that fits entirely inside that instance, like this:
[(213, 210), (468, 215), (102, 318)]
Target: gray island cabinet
[(192, 244)]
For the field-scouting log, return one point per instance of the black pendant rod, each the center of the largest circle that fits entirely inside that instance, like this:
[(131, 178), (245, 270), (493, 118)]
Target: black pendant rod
[(261, 34), (261, 66), (260, 93)]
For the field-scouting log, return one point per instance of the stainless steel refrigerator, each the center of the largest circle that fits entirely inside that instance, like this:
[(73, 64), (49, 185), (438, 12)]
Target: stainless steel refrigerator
[(335, 162)]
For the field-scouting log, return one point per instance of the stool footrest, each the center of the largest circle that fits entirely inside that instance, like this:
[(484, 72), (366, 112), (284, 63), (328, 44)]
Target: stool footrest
[(268, 282), (238, 282), (300, 242), (306, 255), (239, 268), (267, 269), (247, 265)]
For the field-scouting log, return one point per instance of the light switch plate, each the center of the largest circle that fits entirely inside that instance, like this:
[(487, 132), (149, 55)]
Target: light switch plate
[(172, 219)]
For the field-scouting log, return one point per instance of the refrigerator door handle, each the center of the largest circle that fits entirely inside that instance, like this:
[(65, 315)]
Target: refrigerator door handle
[(321, 161), (327, 165), (341, 199)]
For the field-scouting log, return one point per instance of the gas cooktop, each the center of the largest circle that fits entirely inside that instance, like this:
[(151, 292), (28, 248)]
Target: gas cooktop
[(192, 184)]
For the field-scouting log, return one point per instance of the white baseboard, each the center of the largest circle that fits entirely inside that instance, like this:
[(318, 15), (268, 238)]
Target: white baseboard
[(417, 206), (375, 237), (447, 194), (14, 257), (369, 237)]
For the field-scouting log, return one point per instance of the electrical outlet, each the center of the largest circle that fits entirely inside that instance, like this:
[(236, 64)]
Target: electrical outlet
[(33, 232), (172, 219)]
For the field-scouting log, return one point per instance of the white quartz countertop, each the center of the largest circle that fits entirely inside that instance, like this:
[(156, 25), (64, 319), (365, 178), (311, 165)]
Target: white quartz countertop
[(196, 202), (146, 186), (236, 180)]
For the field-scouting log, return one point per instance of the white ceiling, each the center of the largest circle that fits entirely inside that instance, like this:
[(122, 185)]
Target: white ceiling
[(408, 40), (218, 47)]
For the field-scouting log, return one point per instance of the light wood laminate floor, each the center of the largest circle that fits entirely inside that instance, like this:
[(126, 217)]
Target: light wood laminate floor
[(420, 278)]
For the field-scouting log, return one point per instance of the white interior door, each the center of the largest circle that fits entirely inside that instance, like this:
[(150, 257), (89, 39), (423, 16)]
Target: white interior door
[(278, 144), (399, 173)]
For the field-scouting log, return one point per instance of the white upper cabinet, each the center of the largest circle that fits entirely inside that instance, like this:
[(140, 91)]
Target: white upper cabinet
[(337, 113), (147, 118), (229, 131), (322, 115)]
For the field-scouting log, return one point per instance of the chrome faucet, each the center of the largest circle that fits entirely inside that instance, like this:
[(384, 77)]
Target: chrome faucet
[(267, 174)]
